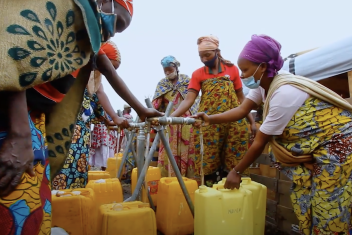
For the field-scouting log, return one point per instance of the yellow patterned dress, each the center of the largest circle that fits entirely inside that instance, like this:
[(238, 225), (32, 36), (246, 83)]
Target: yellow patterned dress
[(224, 144), (27, 210), (322, 197)]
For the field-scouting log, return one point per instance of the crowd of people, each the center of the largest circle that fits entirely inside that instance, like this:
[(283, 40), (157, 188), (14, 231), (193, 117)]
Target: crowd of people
[(308, 127)]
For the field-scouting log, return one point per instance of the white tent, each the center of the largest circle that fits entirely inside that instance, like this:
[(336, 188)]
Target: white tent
[(323, 62)]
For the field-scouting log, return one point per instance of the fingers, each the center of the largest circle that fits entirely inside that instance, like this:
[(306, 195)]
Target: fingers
[(5, 182), (125, 124), (11, 186), (30, 170)]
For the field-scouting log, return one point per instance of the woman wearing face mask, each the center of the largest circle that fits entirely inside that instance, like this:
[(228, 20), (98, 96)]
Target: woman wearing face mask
[(173, 88), (221, 87), (309, 128)]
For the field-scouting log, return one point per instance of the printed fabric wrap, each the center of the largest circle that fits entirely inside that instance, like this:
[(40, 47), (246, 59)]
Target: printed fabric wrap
[(28, 208), (224, 144), (321, 198), (181, 137), (74, 173)]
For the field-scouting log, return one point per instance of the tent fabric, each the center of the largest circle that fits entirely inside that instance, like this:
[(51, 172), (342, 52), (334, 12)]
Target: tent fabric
[(324, 62)]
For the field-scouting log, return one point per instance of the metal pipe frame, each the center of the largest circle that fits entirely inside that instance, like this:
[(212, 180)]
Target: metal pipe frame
[(160, 135)]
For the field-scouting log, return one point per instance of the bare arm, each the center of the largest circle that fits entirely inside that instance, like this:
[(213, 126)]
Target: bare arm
[(233, 179), (233, 115), (106, 68), (250, 118), (104, 101), (16, 153), (186, 104), (241, 98)]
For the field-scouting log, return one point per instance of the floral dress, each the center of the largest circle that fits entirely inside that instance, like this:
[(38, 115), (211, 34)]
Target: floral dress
[(74, 173)]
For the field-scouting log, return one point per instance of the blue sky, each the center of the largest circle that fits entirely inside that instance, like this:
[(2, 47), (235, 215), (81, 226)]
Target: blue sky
[(165, 27)]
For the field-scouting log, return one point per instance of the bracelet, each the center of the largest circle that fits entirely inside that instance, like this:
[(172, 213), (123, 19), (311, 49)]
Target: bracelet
[(237, 172)]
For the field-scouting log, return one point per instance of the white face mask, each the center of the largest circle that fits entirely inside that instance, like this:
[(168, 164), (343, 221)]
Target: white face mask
[(171, 75)]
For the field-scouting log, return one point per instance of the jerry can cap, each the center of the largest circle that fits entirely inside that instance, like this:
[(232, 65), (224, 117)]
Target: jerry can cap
[(203, 189)]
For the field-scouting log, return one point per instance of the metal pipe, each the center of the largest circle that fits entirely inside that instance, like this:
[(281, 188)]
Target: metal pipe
[(140, 150), (144, 170), (176, 170), (150, 198), (173, 120), (124, 156), (148, 103)]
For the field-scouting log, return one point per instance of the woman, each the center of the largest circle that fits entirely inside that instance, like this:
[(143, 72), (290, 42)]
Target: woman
[(25, 197), (74, 173), (126, 113), (104, 142), (173, 88), (309, 128), (221, 87)]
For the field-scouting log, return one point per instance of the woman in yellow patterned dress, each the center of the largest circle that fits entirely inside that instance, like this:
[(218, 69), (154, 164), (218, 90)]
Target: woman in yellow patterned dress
[(309, 128), (219, 81), (173, 88)]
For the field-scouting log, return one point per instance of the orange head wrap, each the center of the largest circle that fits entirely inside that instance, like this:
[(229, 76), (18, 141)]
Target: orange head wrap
[(211, 43), (110, 49), (208, 43), (128, 4)]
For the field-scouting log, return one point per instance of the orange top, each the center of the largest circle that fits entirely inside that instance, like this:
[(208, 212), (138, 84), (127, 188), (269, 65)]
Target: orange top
[(50, 92), (204, 73)]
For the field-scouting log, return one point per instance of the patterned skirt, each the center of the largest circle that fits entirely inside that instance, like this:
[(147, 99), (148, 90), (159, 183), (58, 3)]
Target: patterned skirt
[(27, 210)]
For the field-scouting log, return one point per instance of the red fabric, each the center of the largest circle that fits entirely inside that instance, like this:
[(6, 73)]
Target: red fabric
[(33, 223), (48, 91), (7, 223), (110, 50), (128, 4), (100, 137), (203, 73)]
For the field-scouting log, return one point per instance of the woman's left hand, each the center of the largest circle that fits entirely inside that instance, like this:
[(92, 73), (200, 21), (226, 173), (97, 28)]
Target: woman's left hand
[(233, 180), (254, 130), (121, 122)]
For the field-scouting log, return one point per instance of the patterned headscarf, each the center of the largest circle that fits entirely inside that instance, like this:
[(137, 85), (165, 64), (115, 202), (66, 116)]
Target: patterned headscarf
[(110, 49), (167, 60), (127, 4), (211, 43), (261, 49)]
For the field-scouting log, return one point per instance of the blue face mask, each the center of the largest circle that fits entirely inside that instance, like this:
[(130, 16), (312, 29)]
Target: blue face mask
[(250, 81), (108, 23), (211, 63)]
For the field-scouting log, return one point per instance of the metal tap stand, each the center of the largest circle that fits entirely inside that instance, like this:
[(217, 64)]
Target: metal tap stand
[(163, 121)]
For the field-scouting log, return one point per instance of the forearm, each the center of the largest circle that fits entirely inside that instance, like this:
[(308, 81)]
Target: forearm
[(253, 152), (122, 90), (232, 115), (242, 98), (250, 118), (184, 106), (116, 82), (18, 114), (105, 102)]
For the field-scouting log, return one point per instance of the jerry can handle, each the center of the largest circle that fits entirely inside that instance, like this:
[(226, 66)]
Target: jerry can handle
[(246, 180)]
